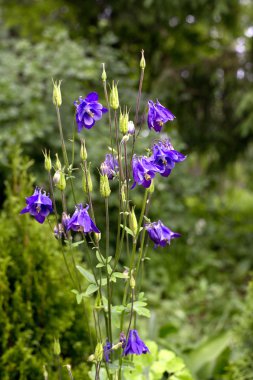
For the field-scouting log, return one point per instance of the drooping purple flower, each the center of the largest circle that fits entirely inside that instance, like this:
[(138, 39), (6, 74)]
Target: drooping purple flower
[(107, 351), (39, 205), (135, 345), (131, 128), (143, 170), (58, 231), (110, 166), (88, 111), (81, 221), (158, 115), (165, 156), (160, 234)]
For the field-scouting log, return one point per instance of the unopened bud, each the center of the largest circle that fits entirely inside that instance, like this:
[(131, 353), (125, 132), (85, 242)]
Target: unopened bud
[(114, 97), (57, 100), (57, 347), (133, 222), (99, 352), (103, 76), (97, 237), (116, 346), (47, 161), (123, 122), (142, 61), (91, 358), (132, 281), (59, 180), (45, 373), (57, 163), (151, 188), (87, 181), (131, 127), (83, 151), (105, 190)]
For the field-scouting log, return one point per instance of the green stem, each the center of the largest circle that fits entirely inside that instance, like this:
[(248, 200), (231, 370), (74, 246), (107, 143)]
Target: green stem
[(107, 273)]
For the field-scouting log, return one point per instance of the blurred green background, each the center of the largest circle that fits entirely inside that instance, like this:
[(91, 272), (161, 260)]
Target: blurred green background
[(199, 64)]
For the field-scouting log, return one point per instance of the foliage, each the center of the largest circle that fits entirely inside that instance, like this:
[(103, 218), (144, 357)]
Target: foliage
[(36, 304), (241, 364)]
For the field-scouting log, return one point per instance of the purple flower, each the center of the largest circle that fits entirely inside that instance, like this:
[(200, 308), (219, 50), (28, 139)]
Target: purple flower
[(110, 166), (135, 345), (88, 111), (165, 156), (160, 234), (81, 221), (143, 170), (131, 128), (107, 351), (158, 115), (39, 205)]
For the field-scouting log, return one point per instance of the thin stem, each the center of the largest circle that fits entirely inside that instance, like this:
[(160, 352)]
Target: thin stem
[(107, 222), (131, 314), (137, 109)]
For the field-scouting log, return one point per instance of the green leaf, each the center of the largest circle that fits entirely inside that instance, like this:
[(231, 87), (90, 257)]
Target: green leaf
[(89, 276), (77, 243), (109, 269), (100, 258), (92, 288), (120, 275), (79, 297), (127, 230), (100, 265)]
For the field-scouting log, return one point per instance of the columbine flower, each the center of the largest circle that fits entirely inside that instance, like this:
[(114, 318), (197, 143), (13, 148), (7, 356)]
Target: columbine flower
[(143, 171), (81, 221), (110, 166), (39, 205), (160, 234), (88, 111), (135, 345), (107, 351), (165, 156), (158, 115)]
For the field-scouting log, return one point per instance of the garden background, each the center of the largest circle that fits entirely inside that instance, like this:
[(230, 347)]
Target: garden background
[(199, 64)]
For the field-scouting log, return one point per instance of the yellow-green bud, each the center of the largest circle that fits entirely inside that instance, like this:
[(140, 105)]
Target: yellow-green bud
[(123, 122), (105, 190), (47, 161), (114, 97), (133, 222), (132, 281), (103, 76), (45, 373), (99, 352), (151, 188), (59, 180), (116, 346), (57, 347), (91, 358), (87, 182), (123, 194), (142, 61), (97, 236), (83, 151), (57, 100), (57, 163)]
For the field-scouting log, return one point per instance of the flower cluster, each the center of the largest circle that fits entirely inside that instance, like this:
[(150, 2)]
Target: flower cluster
[(162, 161)]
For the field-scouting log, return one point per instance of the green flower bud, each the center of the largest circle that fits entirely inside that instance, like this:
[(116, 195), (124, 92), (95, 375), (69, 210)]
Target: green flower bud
[(133, 222), (132, 281), (57, 163), (97, 237), (57, 347), (142, 61), (99, 352), (103, 76), (47, 161), (83, 151), (87, 182), (91, 358), (114, 97), (45, 373), (57, 100), (105, 190), (123, 122)]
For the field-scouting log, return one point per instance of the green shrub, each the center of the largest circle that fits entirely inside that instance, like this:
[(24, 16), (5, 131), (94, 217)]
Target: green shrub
[(36, 303)]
